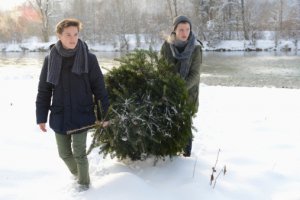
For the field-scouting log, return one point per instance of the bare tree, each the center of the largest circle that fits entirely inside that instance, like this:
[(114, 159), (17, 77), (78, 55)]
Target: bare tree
[(213, 20), (231, 18), (124, 23), (200, 16), (12, 27), (278, 20), (297, 21), (246, 36), (44, 8), (175, 7), (172, 8), (280, 15)]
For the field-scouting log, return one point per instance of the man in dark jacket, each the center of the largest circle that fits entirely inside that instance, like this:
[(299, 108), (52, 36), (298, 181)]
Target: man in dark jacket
[(184, 52), (70, 85)]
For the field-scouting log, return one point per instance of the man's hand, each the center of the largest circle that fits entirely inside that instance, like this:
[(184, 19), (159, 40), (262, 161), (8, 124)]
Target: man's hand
[(43, 127), (104, 124)]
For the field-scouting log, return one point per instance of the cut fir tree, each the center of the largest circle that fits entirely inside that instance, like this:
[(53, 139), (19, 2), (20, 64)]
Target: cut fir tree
[(149, 112)]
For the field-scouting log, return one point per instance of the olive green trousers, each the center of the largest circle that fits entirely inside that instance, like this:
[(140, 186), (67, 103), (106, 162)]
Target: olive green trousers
[(72, 150)]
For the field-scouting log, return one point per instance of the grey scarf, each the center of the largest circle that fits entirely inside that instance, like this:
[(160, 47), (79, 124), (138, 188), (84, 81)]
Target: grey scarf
[(185, 56), (55, 60)]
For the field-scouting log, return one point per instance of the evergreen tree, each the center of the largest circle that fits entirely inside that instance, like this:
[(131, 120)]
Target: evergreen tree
[(149, 112)]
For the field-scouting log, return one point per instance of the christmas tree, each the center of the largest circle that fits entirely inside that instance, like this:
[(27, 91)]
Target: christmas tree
[(149, 113)]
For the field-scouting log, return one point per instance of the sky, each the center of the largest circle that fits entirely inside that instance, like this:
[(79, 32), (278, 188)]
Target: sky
[(9, 4), (256, 129)]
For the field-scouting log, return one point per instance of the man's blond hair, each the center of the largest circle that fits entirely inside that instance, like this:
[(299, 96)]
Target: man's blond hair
[(60, 26)]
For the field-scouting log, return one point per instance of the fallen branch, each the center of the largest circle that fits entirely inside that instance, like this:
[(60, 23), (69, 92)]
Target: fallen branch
[(82, 129), (213, 179), (224, 172), (97, 134)]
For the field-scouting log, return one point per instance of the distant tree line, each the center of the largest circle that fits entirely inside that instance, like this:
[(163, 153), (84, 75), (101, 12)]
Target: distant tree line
[(111, 21)]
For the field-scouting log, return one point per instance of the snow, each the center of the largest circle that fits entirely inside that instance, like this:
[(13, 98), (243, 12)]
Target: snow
[(256, 129), (234, 45), (260, 45), (13, 48), (34, 45)]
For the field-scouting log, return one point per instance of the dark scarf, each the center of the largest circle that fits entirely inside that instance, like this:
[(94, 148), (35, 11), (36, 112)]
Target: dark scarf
[(55, 60), (184, 56)]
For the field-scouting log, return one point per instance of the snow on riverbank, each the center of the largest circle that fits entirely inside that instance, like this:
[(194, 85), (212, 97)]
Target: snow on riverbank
[(34, 45)]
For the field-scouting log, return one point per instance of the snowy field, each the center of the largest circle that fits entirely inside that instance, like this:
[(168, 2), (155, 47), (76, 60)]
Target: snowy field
[(257, 130)]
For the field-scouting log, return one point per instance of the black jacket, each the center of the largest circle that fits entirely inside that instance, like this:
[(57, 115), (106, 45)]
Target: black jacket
[(72, 101)]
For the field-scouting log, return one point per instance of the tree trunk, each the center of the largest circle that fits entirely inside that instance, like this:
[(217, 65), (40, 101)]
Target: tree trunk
[(280, 16), (175, 7), (170, 9), (45, 31), (246, 36), (42, 7)]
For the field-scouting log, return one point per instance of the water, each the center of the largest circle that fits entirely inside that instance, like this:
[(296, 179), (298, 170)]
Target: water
[(254, 69), (35, 59), (20, 65)]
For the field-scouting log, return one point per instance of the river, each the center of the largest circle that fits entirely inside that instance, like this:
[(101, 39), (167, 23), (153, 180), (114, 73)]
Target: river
[(249, 69)]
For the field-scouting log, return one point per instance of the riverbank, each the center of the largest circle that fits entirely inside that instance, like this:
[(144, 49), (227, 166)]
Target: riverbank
[(33, 45)]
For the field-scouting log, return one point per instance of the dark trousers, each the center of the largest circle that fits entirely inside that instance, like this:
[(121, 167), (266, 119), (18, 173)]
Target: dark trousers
[(188, 148)]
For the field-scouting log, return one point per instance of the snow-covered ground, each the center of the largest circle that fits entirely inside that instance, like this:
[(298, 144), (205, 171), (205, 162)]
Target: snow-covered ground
[(34, 45), (259, 45), (256, 129)]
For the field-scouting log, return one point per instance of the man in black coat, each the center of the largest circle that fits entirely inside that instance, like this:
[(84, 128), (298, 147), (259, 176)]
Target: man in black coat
[(71, 84)]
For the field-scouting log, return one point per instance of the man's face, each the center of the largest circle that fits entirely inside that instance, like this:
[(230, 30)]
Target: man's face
[(183, 31), (69, 37)]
